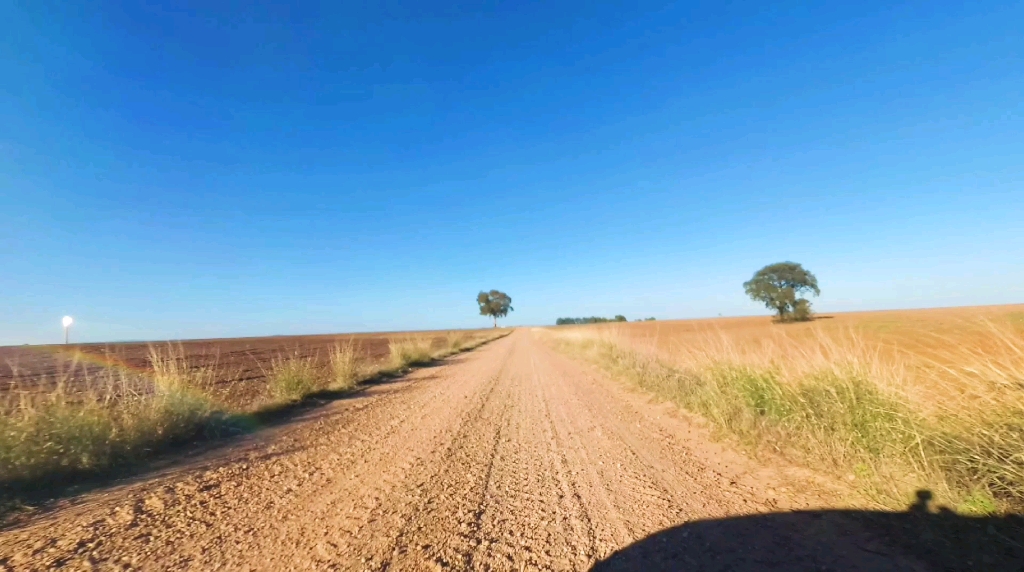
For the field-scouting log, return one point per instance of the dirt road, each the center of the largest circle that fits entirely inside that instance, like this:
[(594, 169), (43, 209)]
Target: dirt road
[(511, 457)]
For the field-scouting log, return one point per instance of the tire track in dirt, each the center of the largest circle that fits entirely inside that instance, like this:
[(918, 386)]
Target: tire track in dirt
[(439, 493), (511, 457)]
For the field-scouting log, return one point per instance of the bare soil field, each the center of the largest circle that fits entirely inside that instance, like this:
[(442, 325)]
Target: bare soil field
[(239, 366)]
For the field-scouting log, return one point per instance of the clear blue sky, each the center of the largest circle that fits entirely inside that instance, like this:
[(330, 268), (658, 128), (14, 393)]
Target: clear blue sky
[(209, 170)]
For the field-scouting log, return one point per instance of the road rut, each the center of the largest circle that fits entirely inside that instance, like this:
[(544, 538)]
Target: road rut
[(511, 457)]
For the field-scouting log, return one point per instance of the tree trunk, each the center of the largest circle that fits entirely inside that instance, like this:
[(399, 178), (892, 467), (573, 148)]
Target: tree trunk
[(495, 321)]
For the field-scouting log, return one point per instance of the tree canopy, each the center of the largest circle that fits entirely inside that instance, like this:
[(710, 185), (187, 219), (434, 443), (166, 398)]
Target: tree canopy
[(778, 286), (495, 304)]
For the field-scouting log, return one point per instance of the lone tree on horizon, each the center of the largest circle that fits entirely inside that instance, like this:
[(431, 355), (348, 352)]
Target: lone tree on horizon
[(777, 287), (495, 304)]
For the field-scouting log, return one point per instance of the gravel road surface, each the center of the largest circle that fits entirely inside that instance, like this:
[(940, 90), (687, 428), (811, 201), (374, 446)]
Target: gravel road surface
[(511, 457)]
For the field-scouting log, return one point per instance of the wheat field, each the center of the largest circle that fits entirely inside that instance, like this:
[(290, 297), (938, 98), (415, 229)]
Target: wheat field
[(893, 401)]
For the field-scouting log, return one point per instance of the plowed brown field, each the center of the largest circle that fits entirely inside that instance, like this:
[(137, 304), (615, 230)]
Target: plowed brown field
[(239, 365)]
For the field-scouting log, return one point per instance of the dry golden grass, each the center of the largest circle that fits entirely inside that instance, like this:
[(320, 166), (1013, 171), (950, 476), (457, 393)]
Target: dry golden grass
[(456, 340), (119, 416), (291, 378), (410, 351), (891, 400), (344, 365)]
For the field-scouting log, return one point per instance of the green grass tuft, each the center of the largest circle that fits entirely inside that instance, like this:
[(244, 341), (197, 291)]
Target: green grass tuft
[(294, 377)]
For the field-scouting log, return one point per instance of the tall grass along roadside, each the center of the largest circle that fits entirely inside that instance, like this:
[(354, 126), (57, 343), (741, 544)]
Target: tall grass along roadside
[(49, 438), (344, 365), (293, 377), (891, 421), (455, 342), (78, 428), (405, 352)]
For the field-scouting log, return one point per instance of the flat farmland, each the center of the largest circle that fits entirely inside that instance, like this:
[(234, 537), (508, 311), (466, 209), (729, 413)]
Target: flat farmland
[(929, 332), (237, 367), (518, 456), (933, 357), (893, 401)]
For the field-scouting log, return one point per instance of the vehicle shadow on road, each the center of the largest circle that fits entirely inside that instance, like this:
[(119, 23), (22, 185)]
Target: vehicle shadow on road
[(835, 540)]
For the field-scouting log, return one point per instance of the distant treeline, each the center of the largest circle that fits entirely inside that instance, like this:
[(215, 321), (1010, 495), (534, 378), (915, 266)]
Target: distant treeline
[(594, 320), (590, 320)]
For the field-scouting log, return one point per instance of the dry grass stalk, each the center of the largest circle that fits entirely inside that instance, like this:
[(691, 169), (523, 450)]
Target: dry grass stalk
[(935, 406), (293, 377), (456, 341), (344, 365), (410, 351), (62, 429), (51, 436)]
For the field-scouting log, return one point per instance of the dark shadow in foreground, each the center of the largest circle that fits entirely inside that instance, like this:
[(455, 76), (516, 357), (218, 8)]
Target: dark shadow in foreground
[(835, 540)]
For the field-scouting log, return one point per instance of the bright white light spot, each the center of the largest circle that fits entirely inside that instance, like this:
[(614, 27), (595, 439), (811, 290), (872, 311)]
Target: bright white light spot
[(67, 321)]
